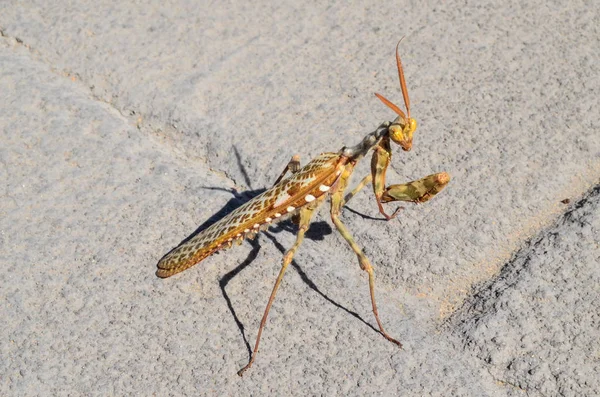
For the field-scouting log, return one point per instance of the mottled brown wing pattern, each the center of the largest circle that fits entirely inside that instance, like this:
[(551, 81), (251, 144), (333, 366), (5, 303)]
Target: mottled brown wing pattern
[(303, 187)]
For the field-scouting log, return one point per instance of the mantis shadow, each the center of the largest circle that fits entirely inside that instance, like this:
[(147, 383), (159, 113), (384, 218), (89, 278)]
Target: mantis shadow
[(369, 217), (239, 198)]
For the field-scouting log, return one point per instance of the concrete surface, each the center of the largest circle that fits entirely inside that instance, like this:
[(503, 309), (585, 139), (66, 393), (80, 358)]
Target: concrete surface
[(125, 127)]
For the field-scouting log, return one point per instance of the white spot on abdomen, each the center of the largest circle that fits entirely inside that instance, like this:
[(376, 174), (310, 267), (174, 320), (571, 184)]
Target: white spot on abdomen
[(281, 199)]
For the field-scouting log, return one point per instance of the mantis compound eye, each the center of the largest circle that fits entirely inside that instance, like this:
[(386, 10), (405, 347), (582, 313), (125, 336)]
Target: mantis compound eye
[(412, 125)]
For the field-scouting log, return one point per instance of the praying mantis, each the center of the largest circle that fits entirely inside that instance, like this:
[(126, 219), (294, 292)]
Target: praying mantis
[(300, 194)]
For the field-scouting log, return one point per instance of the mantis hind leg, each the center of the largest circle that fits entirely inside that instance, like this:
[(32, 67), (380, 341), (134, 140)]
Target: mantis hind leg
[(305, 216), (293, 166), (337, 201)]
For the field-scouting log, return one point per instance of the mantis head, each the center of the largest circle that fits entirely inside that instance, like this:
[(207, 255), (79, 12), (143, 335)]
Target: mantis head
[(402, 129), (401, 132)]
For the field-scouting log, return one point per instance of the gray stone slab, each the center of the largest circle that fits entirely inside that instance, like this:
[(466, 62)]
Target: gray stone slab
[(125, 127)]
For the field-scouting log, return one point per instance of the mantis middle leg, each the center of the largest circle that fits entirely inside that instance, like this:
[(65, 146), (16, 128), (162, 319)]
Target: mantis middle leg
[(337, 200)]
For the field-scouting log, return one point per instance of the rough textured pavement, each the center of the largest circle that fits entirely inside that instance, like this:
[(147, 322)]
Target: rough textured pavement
[(126, 127)]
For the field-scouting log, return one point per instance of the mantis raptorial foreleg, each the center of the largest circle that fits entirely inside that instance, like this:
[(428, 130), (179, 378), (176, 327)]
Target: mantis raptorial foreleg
[(337, 199), (418, 191), (304, 222), (382, 155)]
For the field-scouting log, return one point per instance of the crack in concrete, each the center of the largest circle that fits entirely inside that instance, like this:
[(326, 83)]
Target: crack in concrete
[(505, 382), (475, 307), (133, 118)]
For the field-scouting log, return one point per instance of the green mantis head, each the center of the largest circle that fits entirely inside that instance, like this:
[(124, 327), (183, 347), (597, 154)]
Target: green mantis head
[(402, 129)]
